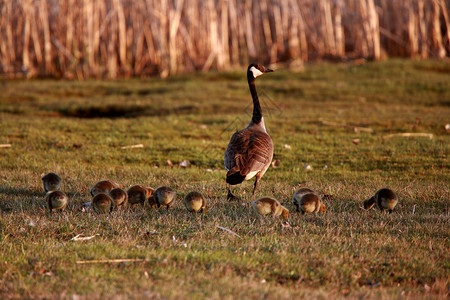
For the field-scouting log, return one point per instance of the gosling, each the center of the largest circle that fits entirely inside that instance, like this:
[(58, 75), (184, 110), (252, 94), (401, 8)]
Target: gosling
[(102, 203), (302, 191), (384, 198), (195, 202), (310, 203), (103, 186), (56, 200), (163, 196), (270, 206), (119, 197), (138, 194), (51, 182)]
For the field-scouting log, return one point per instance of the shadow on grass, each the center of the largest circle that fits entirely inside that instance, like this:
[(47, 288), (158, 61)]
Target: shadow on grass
[(27, 199), (20, 191), (123, 111)]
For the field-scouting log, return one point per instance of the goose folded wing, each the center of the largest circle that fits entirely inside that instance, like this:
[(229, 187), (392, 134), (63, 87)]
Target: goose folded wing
[(236, 151), (259, 155)]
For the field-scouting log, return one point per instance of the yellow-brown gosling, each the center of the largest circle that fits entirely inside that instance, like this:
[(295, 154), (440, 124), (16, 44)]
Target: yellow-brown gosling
[(119, 197), (138, 194), (102, 203), (384, 198), (56, 200), (195, 202), (311, 203), (163, 196), (299, 194), (51, 182), (270, 206), (103, 186)]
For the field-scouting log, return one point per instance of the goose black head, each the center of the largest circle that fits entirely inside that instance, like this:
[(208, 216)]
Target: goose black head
[(255, 70)]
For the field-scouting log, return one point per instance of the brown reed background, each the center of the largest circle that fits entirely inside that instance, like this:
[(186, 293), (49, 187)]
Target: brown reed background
[(121, 38)]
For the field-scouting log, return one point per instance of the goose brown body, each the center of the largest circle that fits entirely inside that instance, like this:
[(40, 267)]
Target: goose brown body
[(56, 200), (119, 197), (250, 150), (195, 202), (384, 198), (138, 194), (270, 206), (103, 186), (51, 182), (310, 203), (102, 203)]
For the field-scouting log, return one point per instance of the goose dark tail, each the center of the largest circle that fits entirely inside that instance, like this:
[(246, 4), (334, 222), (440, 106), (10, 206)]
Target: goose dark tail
[(235, 178)]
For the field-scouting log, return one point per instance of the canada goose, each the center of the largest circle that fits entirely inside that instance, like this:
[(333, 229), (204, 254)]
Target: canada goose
[(103, 186), (138, 194), (194, 202), (56, 200), (250, 150), (119, 196), (51, 182), (299, 194), (270, 206), (163, 195), (310, 203), (102, 203), (384, 198)]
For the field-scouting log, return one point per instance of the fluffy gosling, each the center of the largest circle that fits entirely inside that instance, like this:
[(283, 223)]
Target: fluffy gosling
[(270, 206), (163, 196), (138, 194), (384, 198), (51, 182), (195, 202), (56, 200), (102, 203), (299, 194), (119, 197), (311, 203), (103, 186)]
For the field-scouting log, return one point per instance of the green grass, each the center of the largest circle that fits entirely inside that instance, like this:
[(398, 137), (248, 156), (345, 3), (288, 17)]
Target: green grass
[(77, 129)]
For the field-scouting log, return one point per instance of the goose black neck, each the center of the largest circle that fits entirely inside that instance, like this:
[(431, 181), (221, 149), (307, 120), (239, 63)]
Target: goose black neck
[(257, 112)]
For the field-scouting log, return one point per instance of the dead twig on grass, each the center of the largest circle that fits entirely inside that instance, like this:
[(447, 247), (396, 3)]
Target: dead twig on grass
[(408, 134), (83, 238), (133, 146), (106, 261), (343, 125), (226, 229)]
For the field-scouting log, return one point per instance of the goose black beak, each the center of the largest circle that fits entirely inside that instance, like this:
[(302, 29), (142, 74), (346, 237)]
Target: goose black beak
[(267, 70)]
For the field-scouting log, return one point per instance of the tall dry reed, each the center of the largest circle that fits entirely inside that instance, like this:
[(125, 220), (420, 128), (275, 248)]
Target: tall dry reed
[(121, 38)]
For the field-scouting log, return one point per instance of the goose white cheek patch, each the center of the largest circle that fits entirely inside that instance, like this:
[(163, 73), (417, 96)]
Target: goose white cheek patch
[(255, 72)]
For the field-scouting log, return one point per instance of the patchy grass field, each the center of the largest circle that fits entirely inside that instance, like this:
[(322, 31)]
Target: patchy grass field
[(77, 129)]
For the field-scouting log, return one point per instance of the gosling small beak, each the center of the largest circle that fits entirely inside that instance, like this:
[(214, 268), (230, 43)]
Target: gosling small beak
[(267, 70)]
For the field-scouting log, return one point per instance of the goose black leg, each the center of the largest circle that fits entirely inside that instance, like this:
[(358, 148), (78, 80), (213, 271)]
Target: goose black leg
[(255, 186), (230, 195)]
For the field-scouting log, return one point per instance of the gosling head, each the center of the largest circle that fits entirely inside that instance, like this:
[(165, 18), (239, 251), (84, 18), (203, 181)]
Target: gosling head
[(164, 196), (102, 203), (51, 182), (285, 213), (119, 196), (56, 200), (195, 202), (369, 203)]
